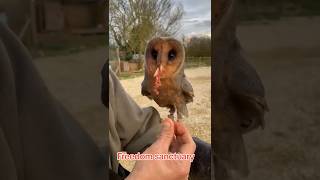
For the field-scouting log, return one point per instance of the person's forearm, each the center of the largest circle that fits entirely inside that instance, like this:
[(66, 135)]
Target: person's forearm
[(131, 127)]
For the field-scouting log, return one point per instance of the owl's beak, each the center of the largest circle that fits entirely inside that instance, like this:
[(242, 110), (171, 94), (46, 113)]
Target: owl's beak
[(159, 65), (158, 71), (158, 61), (161, 68)]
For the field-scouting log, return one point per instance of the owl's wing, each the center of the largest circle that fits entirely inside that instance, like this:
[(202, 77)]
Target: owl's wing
[(144, 88), (187, 90), (247, 91)]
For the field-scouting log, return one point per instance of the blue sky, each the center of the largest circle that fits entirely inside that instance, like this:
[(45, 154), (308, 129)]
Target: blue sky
[(197, 17)]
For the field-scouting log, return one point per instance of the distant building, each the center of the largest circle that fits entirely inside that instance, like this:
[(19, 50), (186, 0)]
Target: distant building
[(15, 13), (28, 18), (76, 16)]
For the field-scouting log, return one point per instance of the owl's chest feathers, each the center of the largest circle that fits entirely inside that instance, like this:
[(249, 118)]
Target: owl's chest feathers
[(169, 92)]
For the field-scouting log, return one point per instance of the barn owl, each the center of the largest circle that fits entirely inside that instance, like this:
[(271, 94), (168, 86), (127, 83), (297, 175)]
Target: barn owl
[(164, 80)]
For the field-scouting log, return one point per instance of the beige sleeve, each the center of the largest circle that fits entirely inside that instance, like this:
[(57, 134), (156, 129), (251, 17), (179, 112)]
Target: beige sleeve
[(131, 128)]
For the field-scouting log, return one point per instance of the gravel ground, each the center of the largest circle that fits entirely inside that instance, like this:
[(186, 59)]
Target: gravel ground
[(75, 81), (286, 54)]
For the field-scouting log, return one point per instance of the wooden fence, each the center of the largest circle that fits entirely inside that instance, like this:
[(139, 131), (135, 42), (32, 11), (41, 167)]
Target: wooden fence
[(197, 62), (191, 62)]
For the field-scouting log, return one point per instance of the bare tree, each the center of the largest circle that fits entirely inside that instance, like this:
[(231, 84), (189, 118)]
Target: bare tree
[(199, 46), (134, 22)]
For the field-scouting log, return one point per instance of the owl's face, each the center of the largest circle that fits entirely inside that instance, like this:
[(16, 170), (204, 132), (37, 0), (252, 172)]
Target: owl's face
[(165, 56)]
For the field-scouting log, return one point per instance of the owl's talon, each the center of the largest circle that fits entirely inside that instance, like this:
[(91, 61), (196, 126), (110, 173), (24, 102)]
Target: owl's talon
[(171, 116)]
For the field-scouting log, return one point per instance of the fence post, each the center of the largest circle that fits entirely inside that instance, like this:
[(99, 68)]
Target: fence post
[(118, 70)]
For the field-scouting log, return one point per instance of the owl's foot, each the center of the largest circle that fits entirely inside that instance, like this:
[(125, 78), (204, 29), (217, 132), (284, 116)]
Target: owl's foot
[(172, 111), (171, 116), (179, 116)]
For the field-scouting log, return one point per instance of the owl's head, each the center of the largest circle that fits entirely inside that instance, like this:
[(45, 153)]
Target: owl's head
[(166, 55)]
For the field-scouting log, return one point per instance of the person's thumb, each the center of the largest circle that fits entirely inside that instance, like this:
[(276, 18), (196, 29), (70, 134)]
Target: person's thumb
[(165, 138)]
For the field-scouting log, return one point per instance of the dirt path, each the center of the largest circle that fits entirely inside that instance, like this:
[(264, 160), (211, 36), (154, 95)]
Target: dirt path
[(286, 54), (75, 81)]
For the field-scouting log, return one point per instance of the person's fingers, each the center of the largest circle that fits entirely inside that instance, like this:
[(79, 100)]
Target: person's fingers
[(174, 145), (182, 132), (184, 137), (179, 128), (166, 135)]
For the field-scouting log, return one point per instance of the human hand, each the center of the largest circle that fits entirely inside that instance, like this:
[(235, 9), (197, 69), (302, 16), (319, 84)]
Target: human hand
[(174, 138)]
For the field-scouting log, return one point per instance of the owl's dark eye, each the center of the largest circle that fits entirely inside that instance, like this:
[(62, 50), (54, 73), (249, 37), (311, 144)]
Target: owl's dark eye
[(172, 55), (154, 54)]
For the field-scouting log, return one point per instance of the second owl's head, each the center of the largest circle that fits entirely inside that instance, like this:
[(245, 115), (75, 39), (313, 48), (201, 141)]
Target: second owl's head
[(165, 53)]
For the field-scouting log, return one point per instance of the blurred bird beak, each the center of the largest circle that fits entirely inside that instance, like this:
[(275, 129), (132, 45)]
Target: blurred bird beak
[(158, 71), (158, 60), (161, 68)]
